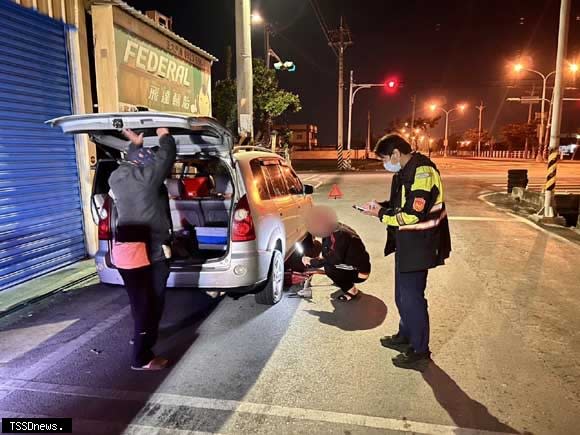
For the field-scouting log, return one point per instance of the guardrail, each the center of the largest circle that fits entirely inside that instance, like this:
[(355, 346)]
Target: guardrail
[(524, 155)]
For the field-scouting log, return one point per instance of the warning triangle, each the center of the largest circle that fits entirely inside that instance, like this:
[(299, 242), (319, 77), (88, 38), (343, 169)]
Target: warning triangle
[(335, 192)]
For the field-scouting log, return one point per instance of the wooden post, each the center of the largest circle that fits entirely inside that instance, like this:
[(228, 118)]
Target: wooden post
[(82, 103), (105, 57)]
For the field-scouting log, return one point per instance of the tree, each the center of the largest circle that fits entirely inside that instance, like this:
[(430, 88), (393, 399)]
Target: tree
[(270, 102), (471, 136), (515, 135), (224, 104)]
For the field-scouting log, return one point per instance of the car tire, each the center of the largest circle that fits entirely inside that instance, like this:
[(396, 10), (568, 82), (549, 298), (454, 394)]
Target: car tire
[(271, 294)]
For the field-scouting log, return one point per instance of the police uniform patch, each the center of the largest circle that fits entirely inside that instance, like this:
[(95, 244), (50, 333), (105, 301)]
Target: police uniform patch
[(419, 204)]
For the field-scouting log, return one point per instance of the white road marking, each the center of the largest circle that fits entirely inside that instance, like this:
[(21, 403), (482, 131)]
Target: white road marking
[(310, 177), (235, 406), (65, 350), (527, 222), (561, 187), (543, 230), (105, 427)]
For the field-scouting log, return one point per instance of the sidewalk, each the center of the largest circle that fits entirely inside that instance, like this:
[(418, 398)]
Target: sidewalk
[(68, 278)]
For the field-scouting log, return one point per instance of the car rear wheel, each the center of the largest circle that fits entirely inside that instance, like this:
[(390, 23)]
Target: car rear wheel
[(272, 292)]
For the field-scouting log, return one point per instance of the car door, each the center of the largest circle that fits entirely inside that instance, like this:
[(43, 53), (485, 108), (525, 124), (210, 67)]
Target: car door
[(192, 134), (301, 201), (281, 197)]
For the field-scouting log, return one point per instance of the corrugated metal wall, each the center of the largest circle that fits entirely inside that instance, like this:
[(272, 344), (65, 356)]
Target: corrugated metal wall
[(40, 208)]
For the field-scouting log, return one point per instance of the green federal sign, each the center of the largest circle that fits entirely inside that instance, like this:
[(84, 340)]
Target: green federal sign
[(151, 77)]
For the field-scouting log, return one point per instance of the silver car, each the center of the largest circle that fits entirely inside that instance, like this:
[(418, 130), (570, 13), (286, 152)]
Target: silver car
[(236, 212)]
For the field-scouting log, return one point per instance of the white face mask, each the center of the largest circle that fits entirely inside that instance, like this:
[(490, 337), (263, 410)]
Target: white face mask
[(392, 167)]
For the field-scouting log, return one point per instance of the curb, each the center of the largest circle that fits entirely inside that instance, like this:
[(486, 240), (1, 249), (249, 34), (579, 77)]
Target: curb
[(28, 293)]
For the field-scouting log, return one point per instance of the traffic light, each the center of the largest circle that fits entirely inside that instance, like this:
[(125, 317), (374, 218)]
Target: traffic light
[(285, 66), (391, 85)]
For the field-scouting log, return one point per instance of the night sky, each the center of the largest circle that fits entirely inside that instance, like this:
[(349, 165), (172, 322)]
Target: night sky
[(449, 50)]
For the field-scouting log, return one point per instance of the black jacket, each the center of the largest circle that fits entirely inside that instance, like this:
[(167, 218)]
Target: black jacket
[(142, 202), (345, 250), (417, 249)]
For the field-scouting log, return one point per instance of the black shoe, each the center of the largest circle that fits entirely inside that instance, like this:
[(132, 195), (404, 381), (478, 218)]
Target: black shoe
[(396, 342), (412, 360)]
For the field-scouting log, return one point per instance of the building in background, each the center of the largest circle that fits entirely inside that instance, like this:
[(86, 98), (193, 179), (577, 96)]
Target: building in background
[(140, 63), (45, 176), (45, 72), (302, 136)]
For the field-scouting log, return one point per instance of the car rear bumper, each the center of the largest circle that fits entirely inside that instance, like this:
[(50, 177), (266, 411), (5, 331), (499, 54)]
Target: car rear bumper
[(241, 274)]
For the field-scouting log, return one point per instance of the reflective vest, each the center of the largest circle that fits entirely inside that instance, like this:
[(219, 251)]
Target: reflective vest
[(416, 217)]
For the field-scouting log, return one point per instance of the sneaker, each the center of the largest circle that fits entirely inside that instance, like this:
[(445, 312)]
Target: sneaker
[(412, 360), (396, 342), (156, 364)]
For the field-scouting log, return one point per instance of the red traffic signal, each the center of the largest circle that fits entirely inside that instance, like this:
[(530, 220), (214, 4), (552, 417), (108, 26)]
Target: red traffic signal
[(391, 85)]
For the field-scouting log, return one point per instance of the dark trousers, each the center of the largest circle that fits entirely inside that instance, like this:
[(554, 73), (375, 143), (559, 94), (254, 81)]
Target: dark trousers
[(344, 279), (412, 307), (146, 289)]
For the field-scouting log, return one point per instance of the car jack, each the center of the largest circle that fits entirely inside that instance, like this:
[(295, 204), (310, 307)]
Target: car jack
[(306, 291)]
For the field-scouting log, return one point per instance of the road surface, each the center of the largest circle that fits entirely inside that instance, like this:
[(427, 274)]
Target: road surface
[(505, 340)]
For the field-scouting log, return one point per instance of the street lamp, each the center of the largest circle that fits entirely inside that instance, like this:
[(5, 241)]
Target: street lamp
[(518, 67), (257, 20), (391, 85), (460, 107)]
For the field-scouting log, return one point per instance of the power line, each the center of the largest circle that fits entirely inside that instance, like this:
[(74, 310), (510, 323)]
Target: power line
[(322, 24)]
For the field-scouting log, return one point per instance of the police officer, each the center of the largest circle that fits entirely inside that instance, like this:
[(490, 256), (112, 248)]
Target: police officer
[(418, 233)]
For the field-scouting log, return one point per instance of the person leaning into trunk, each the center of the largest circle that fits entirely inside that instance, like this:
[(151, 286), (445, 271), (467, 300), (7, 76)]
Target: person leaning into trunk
[(344, 256), (142, 237), (418, 233)]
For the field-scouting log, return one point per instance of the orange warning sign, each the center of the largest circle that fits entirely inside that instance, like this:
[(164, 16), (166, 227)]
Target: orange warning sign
[(335, 192)]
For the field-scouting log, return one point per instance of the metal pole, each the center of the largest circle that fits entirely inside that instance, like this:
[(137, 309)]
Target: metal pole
[(340, 144), (557, 109), (541, 144), (480, 108), (350, 103), (414, 99), (267, 44), (369, 136), (446, 140), (244, 69), (526, 146)]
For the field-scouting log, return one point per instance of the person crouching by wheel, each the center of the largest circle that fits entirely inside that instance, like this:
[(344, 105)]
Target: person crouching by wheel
[(344, 256)]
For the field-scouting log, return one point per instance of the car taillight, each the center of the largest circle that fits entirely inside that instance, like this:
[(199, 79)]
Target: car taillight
[(243, 226), (104, 220)]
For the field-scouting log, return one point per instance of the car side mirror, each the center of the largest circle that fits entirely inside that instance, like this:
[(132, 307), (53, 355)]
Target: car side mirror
[(308, 189)]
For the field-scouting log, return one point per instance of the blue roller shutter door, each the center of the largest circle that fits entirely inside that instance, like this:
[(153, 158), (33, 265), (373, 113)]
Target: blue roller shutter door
[(40, 208)]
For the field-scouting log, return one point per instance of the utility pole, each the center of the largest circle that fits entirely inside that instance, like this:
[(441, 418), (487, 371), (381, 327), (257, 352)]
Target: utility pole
[(244, 69), (414, 100), (369, 136), (530, 111), (480, 108), (267, 32), (340, 39), (557, 110)]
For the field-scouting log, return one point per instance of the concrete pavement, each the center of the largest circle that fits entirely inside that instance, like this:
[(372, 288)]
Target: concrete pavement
[(505, 338)]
